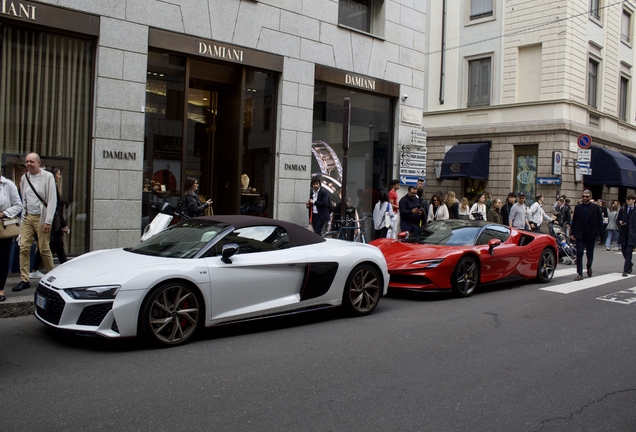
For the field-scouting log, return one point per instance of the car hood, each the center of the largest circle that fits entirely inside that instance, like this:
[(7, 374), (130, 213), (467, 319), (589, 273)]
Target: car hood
[(112, 266), (395, 250)]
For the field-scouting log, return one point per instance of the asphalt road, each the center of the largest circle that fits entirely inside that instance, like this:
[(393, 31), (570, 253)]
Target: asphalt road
[(513, 357)]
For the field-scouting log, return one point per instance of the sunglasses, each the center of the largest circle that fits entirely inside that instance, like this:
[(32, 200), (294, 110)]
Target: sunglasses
[(586, 196)]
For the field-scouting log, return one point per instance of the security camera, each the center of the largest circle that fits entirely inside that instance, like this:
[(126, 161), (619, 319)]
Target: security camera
[(405, 97)]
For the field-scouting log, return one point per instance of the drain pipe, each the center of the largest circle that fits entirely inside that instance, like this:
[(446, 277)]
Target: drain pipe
[(443, 55)]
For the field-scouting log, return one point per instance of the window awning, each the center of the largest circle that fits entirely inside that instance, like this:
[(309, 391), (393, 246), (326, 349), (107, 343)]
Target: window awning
[(611, 168), (467, 161)]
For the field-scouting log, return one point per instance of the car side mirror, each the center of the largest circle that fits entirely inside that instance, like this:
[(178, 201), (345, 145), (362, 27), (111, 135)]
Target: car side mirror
[(228, 251), (403, 235), (492, 244)]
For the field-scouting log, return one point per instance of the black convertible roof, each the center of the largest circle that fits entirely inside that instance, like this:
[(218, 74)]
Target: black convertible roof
[(298, 236)]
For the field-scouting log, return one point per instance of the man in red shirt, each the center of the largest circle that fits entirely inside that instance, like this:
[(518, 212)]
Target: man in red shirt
[(393, 196)]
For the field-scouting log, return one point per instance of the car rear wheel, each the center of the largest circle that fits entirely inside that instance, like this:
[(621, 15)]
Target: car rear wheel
[(547, 265), (171, 314), (362, 290), (465, 277)]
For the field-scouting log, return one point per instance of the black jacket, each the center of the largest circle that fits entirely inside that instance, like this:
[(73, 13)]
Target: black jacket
[(587, 225), (192, 206)]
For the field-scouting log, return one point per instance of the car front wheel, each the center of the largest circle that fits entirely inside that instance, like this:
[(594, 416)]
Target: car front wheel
[(171, 314), (362, 290), (465, 277), (547, 265)]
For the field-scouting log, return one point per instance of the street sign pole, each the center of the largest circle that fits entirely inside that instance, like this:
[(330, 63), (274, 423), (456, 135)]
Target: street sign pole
[(346, 122)]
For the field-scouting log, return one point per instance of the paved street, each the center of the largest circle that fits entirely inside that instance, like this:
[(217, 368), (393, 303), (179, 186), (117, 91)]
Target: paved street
[(514, 357)]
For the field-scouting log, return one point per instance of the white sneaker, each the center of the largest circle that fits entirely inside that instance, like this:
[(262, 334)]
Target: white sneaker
[(36, 275)]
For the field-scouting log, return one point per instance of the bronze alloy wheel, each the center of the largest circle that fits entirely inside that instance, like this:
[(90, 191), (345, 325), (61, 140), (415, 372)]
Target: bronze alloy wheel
[(363, 289), (547, 265), (170, 315), (465, 276)]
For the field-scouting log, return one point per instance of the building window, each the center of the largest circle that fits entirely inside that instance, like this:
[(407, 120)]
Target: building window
[(622, 98), (479, 72), (626, 27), (592, 83), (480, 9), (363, 15), (595, 6)]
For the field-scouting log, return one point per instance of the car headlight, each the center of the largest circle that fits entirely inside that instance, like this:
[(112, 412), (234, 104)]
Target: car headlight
[(93, 293), (430, 263)]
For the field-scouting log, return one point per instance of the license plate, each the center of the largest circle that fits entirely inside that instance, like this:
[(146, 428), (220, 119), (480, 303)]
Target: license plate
[(40, 301)]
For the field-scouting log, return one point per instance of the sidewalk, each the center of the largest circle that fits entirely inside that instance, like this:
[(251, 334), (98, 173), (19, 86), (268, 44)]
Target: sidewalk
[(17, 303)]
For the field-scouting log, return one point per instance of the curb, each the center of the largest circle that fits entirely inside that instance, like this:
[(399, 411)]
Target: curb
[(17, 306)]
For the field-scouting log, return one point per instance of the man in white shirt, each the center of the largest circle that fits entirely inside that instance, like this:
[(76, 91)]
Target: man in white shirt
[(39, 212), (536, 215)]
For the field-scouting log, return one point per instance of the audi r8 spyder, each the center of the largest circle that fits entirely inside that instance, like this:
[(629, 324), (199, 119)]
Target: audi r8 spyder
[(459, 255), (208, 271)]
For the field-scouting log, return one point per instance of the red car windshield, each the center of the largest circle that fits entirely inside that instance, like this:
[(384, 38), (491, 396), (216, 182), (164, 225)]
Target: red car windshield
[(450, 233)]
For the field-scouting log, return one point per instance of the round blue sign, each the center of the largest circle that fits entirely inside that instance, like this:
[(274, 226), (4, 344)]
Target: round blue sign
[(584, 141)]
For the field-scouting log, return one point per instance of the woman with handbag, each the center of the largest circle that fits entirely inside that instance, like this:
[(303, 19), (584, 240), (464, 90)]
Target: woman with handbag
[(10, 207), (191, 205), (58, 229), (381, 212)]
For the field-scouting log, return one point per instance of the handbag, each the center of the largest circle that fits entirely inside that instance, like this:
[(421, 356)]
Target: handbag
[(388, 215), (9, 228)]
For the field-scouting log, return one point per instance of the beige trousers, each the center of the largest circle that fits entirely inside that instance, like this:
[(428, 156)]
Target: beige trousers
[(30, 227)]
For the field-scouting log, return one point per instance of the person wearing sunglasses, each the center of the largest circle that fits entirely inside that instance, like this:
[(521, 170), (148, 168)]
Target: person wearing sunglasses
[(587, 223)]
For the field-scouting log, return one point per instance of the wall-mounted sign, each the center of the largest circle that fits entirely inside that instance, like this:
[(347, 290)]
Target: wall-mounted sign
[(294, 167), (18, 10), (361, 82), (122, 155), (412, 116), (220, 51), (557, 161)]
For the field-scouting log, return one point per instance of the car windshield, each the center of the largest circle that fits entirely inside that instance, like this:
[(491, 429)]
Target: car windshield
[(450, 233), (183, 240)]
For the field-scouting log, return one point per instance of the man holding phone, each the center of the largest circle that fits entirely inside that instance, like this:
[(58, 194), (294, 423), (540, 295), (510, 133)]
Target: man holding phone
[(410, 211)]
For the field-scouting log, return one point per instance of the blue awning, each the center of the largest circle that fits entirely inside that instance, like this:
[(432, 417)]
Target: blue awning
[(611, 168), (467, 161)]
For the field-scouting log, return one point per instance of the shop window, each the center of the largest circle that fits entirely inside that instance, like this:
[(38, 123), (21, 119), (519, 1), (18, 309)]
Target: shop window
[(479, 73), (592, 82), (46, 82), (525, 171), (364, 15), (480, 9), (623, 98)]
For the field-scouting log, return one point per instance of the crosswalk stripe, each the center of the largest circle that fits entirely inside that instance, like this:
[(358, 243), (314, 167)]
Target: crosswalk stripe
[(586, 283), (565, 272)]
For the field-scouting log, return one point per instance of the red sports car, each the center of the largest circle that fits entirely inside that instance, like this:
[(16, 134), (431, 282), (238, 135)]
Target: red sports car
[(459, 255)]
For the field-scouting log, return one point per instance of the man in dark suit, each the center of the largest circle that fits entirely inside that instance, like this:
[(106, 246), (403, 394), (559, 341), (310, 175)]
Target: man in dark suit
[(587, 223), (318, 205), (627, 232)]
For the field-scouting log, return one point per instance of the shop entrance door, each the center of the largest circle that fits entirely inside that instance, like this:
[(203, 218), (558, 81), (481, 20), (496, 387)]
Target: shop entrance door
[(213, 134)]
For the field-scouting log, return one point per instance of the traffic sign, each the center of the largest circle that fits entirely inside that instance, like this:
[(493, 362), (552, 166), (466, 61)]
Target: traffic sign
[(549, 180), (406, 180), (412, 171), (584, 167), (584, 155), (584, 141)]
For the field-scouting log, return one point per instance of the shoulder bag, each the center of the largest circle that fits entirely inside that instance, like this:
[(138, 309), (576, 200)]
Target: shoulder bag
[(57, 221), (10, 227)]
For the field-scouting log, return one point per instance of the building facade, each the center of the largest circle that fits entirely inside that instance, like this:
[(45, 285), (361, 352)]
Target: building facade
[(131, 97), (527, 79)]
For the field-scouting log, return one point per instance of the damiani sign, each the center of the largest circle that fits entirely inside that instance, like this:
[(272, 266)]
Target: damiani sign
[(221, 52), (18, 10)]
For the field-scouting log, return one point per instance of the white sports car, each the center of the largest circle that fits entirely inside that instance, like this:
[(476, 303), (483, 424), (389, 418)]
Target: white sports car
[(207, 271)]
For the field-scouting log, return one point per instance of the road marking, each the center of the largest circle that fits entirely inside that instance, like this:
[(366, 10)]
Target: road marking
[(565, 272), (625, 297), (570, 287)]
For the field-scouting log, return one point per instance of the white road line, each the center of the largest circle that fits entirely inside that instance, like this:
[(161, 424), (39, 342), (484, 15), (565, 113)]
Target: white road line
[(586, 283), (565, 272), (622, 297)]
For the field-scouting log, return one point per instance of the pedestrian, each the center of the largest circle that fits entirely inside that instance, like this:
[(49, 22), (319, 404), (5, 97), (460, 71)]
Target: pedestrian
[(624, 222), (464, 209), (393, 196), (318, 205), (424, 205), (57, 232), (452, 203), (563, 216), (478, 210), (494, 215), (39, 196), (488, 201), (605, 213), (410, 211), (612, 225), (505, 208), (587, 224), (518, 218), (381, 211), (536, 215), (10, 207), (437, 209), (191, 205)]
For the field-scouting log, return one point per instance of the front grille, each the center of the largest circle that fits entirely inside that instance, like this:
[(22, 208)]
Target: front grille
[(410, 280), (54, 305), (94, 315)]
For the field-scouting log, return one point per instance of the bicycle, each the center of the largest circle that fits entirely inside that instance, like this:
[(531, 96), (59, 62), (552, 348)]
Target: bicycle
[(349, 230)]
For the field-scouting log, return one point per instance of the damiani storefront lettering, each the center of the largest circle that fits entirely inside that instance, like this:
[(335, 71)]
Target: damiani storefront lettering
[(221, 52), (119, 155), (18, 10), (364, 83)]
